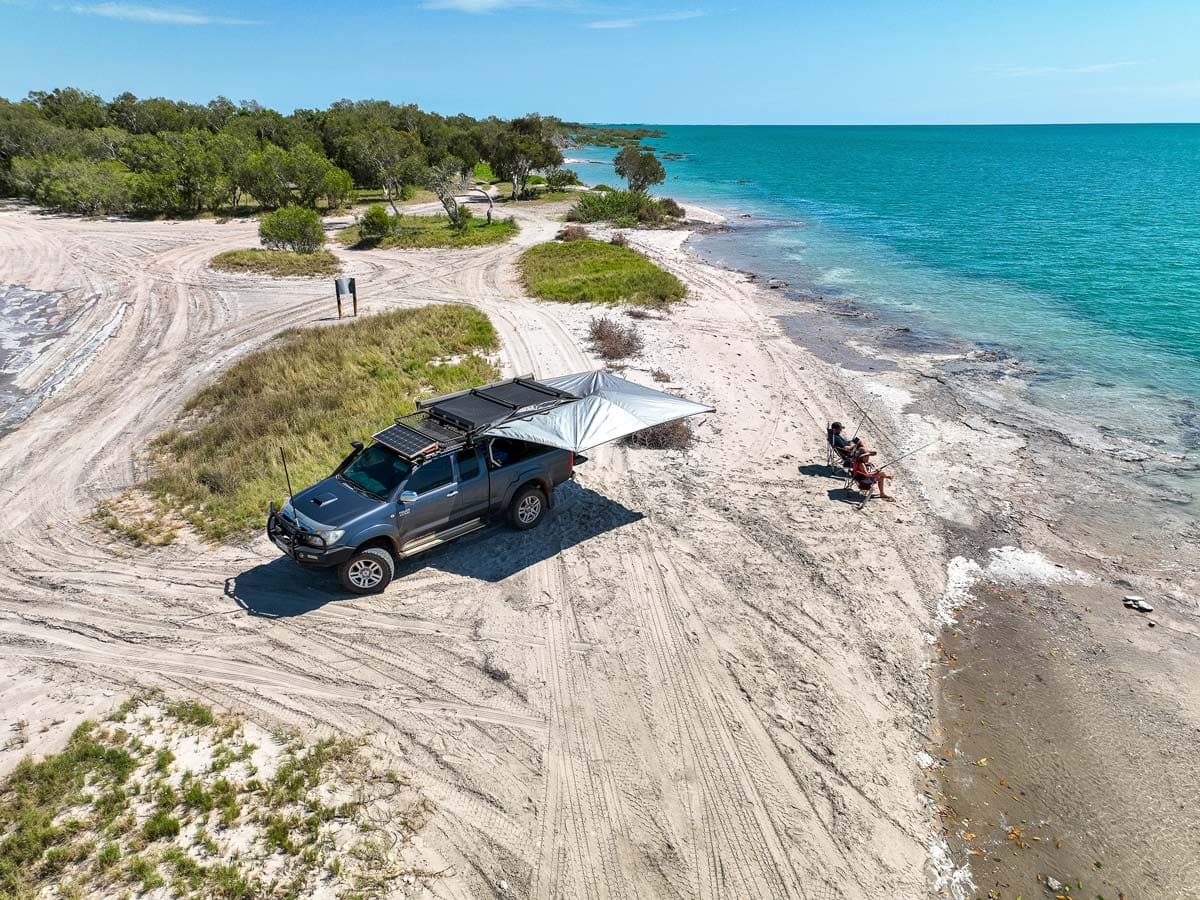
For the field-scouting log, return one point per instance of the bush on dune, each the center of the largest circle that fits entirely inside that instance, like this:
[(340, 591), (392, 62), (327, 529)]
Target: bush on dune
[(292, 228), (626, 209)]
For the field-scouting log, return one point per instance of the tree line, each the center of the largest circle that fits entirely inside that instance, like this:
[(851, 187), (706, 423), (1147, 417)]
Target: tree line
[(73, 151)]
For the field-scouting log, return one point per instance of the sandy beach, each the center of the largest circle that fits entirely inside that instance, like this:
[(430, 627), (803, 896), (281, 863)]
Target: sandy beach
[(720, 677)]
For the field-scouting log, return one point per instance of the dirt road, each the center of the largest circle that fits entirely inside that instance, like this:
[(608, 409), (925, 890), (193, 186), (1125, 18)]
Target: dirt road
[(704, 676)]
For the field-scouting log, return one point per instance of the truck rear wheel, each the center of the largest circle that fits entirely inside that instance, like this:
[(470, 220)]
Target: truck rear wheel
[(368, 571), (527, 508)]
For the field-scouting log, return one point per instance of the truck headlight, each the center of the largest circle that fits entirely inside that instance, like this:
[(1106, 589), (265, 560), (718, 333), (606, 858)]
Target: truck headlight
[(323, 538)]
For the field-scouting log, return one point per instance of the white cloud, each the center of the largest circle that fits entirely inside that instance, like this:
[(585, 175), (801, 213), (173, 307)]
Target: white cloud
[(153, 15), (635, 21), (1034, 71)]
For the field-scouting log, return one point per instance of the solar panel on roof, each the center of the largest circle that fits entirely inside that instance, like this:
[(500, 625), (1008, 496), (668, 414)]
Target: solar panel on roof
[(406, 441), (471, 410), (518, 394)]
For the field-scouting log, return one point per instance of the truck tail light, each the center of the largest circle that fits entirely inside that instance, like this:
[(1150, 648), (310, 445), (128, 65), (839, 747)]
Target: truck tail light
[(571, 464)]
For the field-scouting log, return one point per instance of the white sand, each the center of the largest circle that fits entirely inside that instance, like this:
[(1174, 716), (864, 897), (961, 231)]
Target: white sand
[(717, 668)]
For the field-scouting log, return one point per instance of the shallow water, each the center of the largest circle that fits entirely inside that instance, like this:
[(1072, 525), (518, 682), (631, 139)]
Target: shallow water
[(29, 322), (1075, 247)]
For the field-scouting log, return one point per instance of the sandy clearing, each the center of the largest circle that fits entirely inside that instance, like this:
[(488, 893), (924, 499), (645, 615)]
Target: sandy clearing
[(717, 672)]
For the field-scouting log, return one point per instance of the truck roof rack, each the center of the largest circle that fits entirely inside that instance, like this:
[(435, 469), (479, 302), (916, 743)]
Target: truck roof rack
[(455, 420)]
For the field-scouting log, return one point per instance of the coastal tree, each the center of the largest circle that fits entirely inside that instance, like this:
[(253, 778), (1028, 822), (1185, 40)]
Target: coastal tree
[(445, 179), (640, 168), (393, 157), (526, 144)]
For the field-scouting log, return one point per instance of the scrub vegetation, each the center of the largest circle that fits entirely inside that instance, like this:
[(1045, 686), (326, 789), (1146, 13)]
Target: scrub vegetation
[(626, 209), (174, 796), (311, 391), (590, 271), (613, 340), (377, 228)]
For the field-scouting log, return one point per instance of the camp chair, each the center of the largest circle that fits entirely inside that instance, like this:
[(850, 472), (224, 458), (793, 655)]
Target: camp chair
[(833, 451)]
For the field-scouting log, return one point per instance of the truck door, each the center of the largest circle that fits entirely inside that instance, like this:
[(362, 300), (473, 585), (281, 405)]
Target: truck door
[(433, 483), (473, 495)]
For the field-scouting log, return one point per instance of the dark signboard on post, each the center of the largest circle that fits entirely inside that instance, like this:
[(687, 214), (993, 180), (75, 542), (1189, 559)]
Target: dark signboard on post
[(345, 287)]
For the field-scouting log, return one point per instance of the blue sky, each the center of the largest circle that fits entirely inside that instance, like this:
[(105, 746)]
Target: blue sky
[(614, 61)]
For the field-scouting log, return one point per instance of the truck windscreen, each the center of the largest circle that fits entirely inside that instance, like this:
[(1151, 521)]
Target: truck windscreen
[(378, 471)]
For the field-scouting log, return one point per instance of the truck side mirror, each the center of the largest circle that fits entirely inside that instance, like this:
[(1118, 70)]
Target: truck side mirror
[(357, 445), (408, 496)]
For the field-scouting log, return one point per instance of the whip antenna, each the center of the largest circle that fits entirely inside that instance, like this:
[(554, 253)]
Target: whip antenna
[(286, 476)]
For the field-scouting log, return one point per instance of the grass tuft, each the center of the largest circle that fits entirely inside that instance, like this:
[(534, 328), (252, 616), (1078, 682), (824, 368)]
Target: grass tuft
[(311, 391), (589, 271), (278, 263)]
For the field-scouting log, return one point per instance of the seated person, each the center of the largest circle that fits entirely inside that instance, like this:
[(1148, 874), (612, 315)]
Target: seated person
[(846, 447), (867, 476)]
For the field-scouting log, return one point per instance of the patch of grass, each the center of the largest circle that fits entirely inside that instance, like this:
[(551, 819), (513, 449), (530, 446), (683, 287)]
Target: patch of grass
[(121, 518), (589, 271), (312, 390), (190, 712), (612, 340), (483, 172), (143, 870), (427, 232), (278, 263), (625, 209), (160, 826)]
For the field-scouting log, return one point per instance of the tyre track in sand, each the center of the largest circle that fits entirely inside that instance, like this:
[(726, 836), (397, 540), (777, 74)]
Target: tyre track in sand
[(580, 719)]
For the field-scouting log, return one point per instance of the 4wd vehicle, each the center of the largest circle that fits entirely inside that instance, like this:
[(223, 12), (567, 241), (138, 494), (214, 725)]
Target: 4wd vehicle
[(458, 463)]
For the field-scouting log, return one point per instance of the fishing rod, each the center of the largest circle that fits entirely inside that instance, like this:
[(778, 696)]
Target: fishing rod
[(909, 453), (882, 434)]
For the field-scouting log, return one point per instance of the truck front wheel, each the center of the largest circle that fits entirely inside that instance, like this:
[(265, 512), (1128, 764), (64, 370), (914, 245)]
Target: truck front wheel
[(368, 571), (527, 508)]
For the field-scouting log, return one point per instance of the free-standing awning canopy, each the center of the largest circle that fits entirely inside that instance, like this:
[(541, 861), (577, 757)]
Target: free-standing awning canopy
[(609, 408)]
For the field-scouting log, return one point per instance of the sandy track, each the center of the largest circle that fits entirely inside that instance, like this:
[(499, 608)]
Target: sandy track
[(688, 683)]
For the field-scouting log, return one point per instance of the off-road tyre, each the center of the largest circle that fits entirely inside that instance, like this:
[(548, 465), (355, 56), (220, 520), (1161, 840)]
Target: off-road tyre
[(528, 508), (368, 571)]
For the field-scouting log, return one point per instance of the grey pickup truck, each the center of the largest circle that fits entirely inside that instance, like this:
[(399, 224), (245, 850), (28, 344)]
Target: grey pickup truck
[(430, 478)]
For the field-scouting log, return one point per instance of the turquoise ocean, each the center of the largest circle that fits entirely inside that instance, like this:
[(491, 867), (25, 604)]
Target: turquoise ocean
[(1075, 249)]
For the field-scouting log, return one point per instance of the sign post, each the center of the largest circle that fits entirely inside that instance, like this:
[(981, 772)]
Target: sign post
[(344, 286)]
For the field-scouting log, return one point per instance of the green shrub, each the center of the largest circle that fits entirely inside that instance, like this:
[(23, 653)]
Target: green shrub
[(375, 222), (626, 209), (561, 178), (292, 228)]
